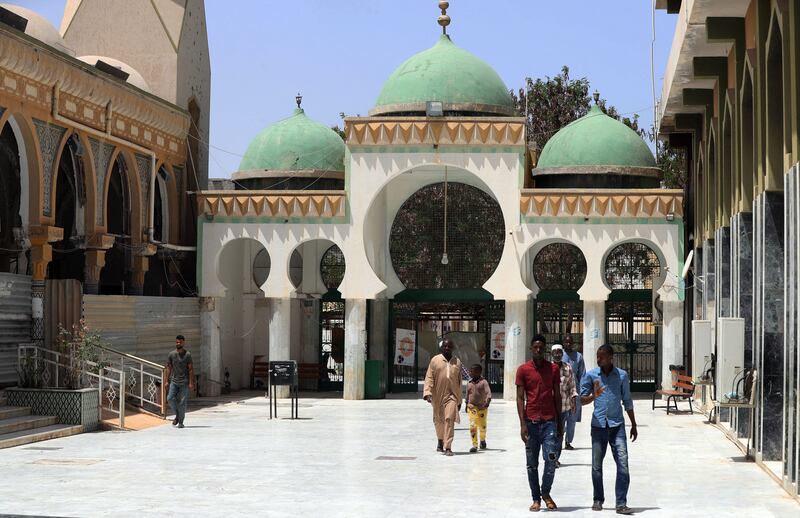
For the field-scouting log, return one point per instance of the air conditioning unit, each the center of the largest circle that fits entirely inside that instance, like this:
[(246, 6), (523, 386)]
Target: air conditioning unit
[(702, 347), (730, 354)]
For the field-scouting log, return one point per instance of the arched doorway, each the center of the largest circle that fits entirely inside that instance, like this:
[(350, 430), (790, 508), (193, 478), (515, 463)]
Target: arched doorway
[(443, 258), (12, 254), (70, 202), (115, 277), (331, 320), (559, 270), (632, 271)]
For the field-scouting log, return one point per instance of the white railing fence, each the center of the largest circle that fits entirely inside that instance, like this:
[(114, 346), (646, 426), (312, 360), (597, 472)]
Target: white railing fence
[(120, 379)]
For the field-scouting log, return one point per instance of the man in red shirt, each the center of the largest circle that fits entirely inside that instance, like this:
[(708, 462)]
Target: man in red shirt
[(539, 409)]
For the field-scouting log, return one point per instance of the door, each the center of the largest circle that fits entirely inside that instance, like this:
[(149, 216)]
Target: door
[(635, 339), (331, 352)]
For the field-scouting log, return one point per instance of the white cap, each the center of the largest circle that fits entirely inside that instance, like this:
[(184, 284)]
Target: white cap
[(557, 346)]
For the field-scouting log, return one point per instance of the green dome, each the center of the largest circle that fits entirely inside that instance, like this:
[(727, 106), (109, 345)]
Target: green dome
[(446, 73), (296, 143), (597, 143)]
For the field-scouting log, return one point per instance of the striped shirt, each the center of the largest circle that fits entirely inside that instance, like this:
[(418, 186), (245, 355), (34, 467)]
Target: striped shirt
[(568, 388)]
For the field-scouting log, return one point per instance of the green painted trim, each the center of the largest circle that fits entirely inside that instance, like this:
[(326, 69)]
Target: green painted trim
[(442, 149), (630, 295), (572, 220), (444, 295), (557, 296), (275, 220)]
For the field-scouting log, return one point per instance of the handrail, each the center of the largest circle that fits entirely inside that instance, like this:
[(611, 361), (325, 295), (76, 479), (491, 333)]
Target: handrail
[(132, 357)]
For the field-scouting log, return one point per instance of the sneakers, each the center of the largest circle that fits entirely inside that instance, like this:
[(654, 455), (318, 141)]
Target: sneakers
[(597, 506), (440, 446), (448, 453), (568, 446), (180, 425), (473, 450), (483, 445), (175, 422), (624, 509)]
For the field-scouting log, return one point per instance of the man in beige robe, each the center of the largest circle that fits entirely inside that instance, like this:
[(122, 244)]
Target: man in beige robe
[(443, 392)]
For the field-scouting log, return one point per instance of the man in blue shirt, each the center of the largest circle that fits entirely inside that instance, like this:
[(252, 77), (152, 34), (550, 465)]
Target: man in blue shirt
[(575, 359), (609, 388)]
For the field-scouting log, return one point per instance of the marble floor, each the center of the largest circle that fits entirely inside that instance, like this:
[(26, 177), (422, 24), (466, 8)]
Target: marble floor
[(368, 458)]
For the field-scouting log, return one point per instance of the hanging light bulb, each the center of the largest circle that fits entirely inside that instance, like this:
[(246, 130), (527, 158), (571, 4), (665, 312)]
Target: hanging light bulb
[(445, 260)]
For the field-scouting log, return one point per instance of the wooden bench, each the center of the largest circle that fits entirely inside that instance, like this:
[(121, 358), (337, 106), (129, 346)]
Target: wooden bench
[(260, 371), (683, 388)]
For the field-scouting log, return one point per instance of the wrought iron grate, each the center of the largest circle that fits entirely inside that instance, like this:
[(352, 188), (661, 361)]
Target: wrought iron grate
[(559, 266), (632, 266)]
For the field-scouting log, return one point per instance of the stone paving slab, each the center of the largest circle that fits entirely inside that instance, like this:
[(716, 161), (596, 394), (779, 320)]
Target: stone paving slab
[(231, 460)]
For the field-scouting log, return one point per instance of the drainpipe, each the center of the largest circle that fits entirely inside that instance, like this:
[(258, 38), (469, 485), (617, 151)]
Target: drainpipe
[(106, 135)]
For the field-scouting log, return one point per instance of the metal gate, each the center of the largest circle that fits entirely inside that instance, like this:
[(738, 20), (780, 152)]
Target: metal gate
[(635, 338), (405, 377), (556, 319), (331, 351)]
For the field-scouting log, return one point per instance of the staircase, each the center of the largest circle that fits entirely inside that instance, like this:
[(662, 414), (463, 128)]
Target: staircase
[(18, 427)]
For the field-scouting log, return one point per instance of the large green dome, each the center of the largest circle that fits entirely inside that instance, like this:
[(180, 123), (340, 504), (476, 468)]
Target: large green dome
[(446, 73), (597, 143), (296, 143)]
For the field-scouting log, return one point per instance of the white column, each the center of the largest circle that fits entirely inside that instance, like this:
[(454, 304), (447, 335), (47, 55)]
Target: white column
[(516, 342), (210, 350), (355, 342), (671, 340), (594, 330), (280, 326)]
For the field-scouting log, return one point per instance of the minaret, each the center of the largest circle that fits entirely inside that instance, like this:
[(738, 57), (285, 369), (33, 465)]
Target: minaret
[(166, 42)]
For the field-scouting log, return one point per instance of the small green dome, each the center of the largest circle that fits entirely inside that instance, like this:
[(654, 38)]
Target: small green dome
[(597, 141), (296, 143), (446, 73)]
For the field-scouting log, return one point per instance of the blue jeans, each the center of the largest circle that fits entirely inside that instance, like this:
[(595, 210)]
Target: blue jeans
[(601, 438), (569, 429), (178, 396), (541, 435)]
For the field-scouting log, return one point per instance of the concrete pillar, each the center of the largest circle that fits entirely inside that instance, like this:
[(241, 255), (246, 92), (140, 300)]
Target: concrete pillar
[(355, 342), (379, 330), (95, 261), (516, 344), (671, 341), (210, 349), (594, 330), (138, 271), (280, 328)]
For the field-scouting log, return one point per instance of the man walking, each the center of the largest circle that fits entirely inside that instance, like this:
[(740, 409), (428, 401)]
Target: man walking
[(569, 392), (575, 359), (609, 388), (443, 391), (539, 410), (180, 374)]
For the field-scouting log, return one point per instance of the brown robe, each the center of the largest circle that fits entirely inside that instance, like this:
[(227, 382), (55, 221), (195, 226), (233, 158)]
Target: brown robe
[(443, 384)]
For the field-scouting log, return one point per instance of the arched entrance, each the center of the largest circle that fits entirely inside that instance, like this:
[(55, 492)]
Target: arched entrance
[(115, 278), (559, 270), (632, 271), (12, 254), (331, 320), (70, 202), (443, 258)]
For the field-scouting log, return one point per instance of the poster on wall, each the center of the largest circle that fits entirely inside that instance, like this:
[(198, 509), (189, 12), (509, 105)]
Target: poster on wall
[(405, 342), (497, 341)]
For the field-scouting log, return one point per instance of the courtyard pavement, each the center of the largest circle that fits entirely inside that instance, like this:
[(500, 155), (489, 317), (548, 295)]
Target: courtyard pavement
[(365, 459)]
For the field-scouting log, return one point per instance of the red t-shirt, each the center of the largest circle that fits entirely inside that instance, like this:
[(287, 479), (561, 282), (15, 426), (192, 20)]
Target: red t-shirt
[(540, 384)]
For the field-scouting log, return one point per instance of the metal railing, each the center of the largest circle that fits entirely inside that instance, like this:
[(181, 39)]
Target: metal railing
[(120, 379)]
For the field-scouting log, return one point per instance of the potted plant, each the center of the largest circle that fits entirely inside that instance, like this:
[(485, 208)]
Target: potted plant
[(60, 387)]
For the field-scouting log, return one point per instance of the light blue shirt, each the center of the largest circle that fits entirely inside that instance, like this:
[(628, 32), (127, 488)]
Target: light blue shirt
[(608, 407)]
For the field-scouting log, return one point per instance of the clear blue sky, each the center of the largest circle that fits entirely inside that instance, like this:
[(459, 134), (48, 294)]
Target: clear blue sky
[(339, 53)]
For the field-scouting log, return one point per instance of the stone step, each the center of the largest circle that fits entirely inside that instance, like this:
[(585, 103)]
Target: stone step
[(25, 422), (14, 411), (44, 433)]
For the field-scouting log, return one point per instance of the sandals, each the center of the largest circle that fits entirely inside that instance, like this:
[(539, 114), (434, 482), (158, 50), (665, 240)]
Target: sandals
[(535, 506), (551, 505)]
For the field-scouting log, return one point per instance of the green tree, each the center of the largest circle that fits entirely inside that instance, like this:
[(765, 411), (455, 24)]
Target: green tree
[(551, 103)]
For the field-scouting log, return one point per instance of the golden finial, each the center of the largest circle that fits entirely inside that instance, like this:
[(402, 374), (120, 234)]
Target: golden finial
[(443, 19)]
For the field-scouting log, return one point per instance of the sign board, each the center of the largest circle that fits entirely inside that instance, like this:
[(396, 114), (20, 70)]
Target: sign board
[(497, 342), (283, 372), (405, 343)]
